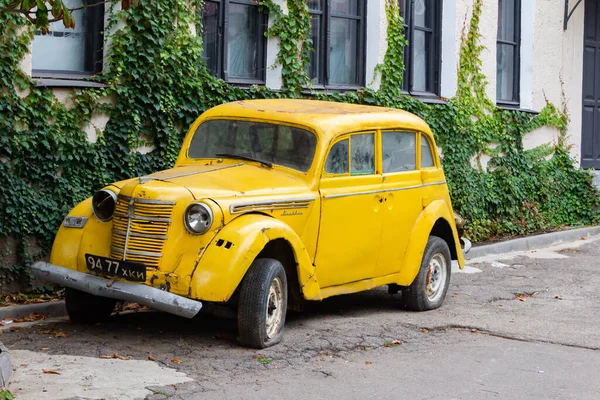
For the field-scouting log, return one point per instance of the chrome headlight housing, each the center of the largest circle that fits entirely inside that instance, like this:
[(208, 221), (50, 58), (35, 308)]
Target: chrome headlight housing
[(103, 204), (198, 218)]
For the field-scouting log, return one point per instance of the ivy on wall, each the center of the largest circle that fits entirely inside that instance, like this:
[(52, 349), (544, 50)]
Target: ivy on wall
[(159, 84)]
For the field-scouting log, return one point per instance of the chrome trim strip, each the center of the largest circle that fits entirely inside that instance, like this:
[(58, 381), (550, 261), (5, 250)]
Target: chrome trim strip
[(142, 235), (335, 196), (139, 217), (267, 205), (147, 178), (134, 292), (137, 253), (147, 201)]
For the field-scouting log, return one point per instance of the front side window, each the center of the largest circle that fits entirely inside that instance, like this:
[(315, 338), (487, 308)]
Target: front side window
[(422, 24), (507, 52), (426, 154), (337, 33), (233, 37), (398, 151), (271, 143), (66, 51)]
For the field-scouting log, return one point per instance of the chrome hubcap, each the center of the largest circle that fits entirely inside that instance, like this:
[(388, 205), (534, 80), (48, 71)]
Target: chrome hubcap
[(274, 308), (436, 277)]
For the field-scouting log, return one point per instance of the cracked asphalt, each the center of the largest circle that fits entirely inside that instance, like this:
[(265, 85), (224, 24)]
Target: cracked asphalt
[(517, 324)]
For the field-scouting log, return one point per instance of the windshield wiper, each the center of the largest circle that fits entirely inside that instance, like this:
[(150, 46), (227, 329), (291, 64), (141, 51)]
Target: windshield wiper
[(240, 157)]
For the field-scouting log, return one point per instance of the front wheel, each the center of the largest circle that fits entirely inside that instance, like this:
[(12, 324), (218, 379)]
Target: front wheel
[(428, 290), (262, 304)]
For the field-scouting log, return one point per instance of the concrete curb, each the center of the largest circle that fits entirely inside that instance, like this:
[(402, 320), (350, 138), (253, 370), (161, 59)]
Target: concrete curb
[(5, 367), (50, 309), (533, 242)]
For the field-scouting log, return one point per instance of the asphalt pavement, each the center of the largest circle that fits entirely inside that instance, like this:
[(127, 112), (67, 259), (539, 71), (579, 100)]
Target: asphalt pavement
[(521, 324)]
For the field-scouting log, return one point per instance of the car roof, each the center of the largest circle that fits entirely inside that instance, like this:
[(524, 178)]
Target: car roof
[(330, 118)]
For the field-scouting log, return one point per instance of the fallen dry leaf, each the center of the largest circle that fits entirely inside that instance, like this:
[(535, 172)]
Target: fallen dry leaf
[(368, 362), (176, 361), (558, 297), (151, 358), (45, 348), (30, 318), (50, 371), (117, 356), (424, 330), (54, 332), (106, 357), (15, 328)]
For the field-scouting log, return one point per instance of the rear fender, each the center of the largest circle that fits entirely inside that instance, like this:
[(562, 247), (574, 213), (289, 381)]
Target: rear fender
[(223, 264), (419, 237)]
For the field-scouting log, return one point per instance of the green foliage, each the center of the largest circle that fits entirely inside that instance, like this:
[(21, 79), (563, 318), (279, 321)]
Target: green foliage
[(157, 84), (41, 13), (6, 395)]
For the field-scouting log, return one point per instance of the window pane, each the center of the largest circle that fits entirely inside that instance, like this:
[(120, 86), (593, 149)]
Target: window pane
[(210, 35), (62, 49), (316, 5), (344, 7), (420, 67), (337, 161), (423, 13), (343, 51), (506, 20), (426, 156), (505, 72), (314, 65), (398, 151), (243, 42), (363, 154)]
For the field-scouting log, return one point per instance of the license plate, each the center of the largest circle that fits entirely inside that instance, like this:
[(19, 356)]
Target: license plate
[(122, 269)]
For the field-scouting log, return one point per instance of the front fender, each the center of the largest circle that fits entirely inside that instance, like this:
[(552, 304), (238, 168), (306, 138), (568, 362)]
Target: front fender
[(419, 237), (223, 264)]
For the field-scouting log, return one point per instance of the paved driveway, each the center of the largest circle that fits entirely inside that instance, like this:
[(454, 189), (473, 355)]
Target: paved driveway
[(513, 325)]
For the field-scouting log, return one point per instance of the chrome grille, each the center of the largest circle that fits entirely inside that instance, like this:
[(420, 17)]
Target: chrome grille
[(140, 228)]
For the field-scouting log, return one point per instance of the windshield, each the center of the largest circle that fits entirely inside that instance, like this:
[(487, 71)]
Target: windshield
[(264, 142)]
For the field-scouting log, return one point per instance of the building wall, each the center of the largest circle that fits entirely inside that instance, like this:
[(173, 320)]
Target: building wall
[(551, 59)]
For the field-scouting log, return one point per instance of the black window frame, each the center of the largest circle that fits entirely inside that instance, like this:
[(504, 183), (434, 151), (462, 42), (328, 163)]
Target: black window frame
[(435, 60), (222, 41), (516, 100), (94, 40), (361, 34)]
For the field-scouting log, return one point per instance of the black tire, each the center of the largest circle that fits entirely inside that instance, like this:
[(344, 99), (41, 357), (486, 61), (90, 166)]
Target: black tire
[(87, 308), (257, 301), (436, 262)]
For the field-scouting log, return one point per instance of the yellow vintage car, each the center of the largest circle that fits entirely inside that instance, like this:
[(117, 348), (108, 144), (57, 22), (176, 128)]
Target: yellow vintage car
[(271, 203)]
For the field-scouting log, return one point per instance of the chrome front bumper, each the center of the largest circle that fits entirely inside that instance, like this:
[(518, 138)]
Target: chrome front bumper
[(133, 292)]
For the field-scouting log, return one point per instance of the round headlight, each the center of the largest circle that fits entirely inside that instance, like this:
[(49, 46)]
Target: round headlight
[(103, 204), (198, 218)]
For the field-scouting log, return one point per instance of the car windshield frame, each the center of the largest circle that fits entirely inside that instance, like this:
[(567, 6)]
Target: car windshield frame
[(261, 141)]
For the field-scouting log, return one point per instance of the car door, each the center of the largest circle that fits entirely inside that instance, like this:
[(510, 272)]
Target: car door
[(350, 226), (402, 196)]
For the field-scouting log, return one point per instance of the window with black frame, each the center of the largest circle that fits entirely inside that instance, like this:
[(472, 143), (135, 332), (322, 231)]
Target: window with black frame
[(69, 53), (338, 37), (422, 27), (233, 34), (508, 51)]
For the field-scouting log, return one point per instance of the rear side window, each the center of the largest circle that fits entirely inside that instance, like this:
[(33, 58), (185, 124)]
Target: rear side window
[(354, 156), (426, 154), (399, 151)]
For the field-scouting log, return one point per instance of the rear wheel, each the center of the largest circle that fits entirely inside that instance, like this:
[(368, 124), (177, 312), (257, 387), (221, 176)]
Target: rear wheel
[(429, 288), (263, 304), (87, 308)]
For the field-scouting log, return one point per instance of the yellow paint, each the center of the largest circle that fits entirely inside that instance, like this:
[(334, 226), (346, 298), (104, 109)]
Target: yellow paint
[(348, 232)]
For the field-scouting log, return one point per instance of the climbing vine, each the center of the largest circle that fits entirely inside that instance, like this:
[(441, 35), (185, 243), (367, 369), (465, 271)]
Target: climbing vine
[(157, 83)]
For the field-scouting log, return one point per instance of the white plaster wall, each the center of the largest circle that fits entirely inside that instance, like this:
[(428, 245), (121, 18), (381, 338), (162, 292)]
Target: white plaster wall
[(449, 49), (273, 75), (376, 41), (557, 65)]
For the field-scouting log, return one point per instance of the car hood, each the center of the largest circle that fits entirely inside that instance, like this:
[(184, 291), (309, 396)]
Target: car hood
[(219, 180)]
